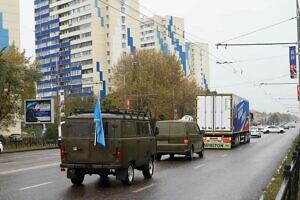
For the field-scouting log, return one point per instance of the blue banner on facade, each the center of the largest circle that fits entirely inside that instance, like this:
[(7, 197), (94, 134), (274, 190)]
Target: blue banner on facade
[(293, 69)]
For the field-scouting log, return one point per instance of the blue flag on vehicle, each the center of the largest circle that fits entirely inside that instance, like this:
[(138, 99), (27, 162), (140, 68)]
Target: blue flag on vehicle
[(99, 131)]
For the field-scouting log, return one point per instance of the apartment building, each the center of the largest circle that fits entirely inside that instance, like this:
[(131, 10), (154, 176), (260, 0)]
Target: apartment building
[(78, 42), (9, 23), (198, 63), (166, 34), (10, 34)]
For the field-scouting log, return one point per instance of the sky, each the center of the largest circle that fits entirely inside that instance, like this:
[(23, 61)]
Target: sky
[(216, 21)]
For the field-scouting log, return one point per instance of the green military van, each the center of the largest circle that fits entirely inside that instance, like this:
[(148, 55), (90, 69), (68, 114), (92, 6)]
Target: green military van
[(130, 144), (179, 137)]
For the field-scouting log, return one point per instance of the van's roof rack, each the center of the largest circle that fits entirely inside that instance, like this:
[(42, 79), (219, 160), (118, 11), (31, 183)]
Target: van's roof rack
[(124, 112)]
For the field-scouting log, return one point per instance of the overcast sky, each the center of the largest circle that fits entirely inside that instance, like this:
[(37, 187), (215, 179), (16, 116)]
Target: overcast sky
[(215, 21)]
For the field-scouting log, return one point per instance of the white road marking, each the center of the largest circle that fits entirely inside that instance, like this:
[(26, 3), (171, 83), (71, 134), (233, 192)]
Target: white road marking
[(224, 155), (197, 167), (28, 168), (144, 188), (34, 186)]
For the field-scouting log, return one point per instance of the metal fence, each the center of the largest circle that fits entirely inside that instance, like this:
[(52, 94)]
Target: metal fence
[(289, 186), (28, 142)]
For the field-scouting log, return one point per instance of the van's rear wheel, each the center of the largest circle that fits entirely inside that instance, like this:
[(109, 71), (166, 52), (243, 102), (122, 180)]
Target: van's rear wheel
[(158, 157), (79, 178), (129, 175), (148, 172), (190, 154), (201, 153)]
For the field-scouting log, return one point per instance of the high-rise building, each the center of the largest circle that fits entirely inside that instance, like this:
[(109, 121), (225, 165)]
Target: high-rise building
[(198, 62), (10, 34), (166, 34), (9, 23), (78, 41)]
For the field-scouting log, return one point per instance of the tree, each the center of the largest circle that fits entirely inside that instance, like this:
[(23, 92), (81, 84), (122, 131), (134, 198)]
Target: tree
[(73, 103), (17, 83), (153, 81)]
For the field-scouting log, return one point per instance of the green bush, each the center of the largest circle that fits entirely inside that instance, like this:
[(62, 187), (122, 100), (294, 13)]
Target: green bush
[(51, 132)]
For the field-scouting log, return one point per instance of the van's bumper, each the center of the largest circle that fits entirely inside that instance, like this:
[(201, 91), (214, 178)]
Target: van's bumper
[(172, 149), (89, 166)]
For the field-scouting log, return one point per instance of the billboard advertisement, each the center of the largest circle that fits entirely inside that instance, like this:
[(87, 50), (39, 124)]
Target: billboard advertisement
[(39, 111), (292, 55)]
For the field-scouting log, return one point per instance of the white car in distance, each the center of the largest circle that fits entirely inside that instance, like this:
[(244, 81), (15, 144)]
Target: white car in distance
[(255, 132), (273, 129)]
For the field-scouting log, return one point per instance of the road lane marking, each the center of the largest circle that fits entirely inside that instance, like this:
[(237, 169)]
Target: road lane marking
[(224, 155), (34, 186), (28, 168), (197, 167), (143, 188)]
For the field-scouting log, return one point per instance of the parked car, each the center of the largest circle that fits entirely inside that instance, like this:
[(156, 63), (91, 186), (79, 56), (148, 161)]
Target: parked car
[(273, 129), (179, 137), (255, 132), (130, 144), (15, 137), (1, 147)]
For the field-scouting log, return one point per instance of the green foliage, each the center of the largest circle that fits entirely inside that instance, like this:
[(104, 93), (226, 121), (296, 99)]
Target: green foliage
[(17, 83), (153, 81), (110, 101), (51, 132), (73, 103)]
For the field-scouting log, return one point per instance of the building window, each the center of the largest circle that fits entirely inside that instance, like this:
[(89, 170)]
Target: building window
[(124, 45), (124, 36), (108, 53), (123, 19)]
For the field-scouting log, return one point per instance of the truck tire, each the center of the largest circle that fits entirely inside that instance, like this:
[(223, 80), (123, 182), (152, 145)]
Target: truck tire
[(79, 178), (129, 175), (148, 172)]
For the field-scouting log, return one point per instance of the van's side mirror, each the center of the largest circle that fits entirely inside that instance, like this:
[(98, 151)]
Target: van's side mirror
[(156, 131), (202, 132)]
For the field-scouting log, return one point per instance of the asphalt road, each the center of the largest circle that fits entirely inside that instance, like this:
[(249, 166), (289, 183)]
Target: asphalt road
[(240, 173)]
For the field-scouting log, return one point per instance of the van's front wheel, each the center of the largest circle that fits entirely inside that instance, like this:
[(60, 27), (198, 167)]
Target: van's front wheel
[(148, 172), (129, 175)]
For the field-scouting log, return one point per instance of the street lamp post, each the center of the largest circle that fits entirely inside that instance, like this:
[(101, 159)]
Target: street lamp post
[(58, 95)]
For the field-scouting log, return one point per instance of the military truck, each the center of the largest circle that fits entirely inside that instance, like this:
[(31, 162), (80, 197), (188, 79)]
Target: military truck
[(130, 144)]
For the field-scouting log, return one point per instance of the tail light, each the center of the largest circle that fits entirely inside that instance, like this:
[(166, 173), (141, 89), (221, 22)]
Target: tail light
[(118, 153), (62, 153), (186, 141)]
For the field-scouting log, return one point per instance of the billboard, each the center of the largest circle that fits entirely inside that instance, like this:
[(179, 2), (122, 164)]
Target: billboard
[(292, 55), (39, 111)]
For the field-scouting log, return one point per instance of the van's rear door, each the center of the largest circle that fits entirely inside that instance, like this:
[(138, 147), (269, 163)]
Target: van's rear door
[(107, 154), (77, 140)]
